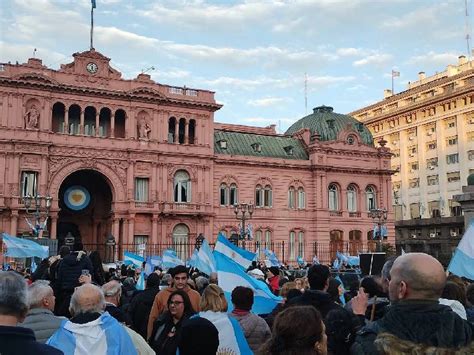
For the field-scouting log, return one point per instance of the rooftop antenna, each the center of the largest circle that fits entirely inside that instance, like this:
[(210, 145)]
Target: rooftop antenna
[(148, 69), (34, 53), (468, 30), (93, 6), (305, 93)]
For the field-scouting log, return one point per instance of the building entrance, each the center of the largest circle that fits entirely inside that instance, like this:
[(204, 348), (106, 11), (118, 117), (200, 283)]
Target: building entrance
[(85, 202)]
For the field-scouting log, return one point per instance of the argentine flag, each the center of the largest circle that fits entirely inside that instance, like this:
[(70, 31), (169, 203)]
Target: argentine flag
[(23, 248), (205, 261), (141, 282), (231, 337), (241, 256), (462, 262), (231, 275), (133, 259), (105, 335), (271, 257), (171, 259), (151, 263)]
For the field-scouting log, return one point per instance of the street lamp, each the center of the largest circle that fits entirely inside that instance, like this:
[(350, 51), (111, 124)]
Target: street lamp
[(379, 215), (243, 212), (199, 240), (38, 208)]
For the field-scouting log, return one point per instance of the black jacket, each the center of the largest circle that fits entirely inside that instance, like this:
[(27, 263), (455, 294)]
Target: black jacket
[(318, 299), (139, 309), (419, 322), (19, 341), (118, 314), (70, 270)]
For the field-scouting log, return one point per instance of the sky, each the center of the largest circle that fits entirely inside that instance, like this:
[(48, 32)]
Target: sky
[(254, 54)]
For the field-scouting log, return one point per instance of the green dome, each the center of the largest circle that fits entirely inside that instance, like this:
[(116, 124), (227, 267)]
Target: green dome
[(328, 125)]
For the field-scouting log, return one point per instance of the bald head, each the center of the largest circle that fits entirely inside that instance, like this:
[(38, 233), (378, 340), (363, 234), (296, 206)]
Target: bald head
[(416, 276), (87, 299)]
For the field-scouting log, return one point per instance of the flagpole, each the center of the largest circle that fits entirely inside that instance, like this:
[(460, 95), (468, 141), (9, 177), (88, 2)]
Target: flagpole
[(392, 84), (92, 26)]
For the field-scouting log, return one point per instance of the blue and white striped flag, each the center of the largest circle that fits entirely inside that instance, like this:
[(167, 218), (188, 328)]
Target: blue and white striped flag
[(300, 261), (132, 259), (231, 275), (271, 257), (33, 265), (192, 261), (462, 261), (205, 261), (171, 259), (140, 286), (241, 256), (151, 263)]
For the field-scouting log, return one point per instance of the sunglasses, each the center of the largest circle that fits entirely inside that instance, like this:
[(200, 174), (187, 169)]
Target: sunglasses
[(175, 303)]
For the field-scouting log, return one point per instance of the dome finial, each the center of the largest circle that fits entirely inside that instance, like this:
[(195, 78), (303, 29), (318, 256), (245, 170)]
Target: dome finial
[(323, 109)]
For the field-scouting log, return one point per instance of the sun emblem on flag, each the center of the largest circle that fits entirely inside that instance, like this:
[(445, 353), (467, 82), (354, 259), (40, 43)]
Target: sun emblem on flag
[(233, 255)]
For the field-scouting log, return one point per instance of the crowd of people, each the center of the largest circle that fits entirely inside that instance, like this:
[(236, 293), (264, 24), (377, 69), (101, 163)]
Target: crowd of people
[(72, 304)]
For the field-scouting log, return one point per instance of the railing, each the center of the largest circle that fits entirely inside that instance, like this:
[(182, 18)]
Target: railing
[(285, 252), (176, 207), (354, 214), (335, 213)]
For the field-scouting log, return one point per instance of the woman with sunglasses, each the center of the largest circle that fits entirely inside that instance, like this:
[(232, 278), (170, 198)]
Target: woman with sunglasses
[(166, 328)]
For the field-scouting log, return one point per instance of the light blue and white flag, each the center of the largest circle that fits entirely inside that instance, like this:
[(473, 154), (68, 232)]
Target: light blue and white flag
[(341, 297), (105, 335), (140, 286), (241, 256), (300, 261), (151, 263), (171, 259), (132, 259), (23, 248), (33, 265), (462, 262), (315, 260), (342, 257), (271, 257), (205, 261), (231, 275), (353, 260), (192, 261), (336, 264), (231, 337)]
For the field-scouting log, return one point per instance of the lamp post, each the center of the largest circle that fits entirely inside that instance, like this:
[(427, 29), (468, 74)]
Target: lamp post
[(38, 208), (379, 215), (243, 212), (199, 240)]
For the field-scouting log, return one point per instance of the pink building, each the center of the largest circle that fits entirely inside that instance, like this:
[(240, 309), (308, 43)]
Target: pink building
[(146, 162)]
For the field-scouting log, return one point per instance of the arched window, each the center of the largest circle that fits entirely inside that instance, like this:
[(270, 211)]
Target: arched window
[(181, 240), (119, 129), (171, 130), (371, 201), (258, 196), (223, 195), (291, 197), (233, 195), (182, 187), (268, 197), (74, 119), (89, 121), (301, 244), (58, 123), (192, 131), (301, 199), (336, 242), (355, 242), (268, 238), (181, 130), (259, 244), (333, 198), (352, 198)]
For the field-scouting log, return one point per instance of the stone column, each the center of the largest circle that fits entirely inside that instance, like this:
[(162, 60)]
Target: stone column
[(154, 229), (14, 223), (97, 123), (116, 229), (176, 132), (131, 228), (54, 226), (66, 120), (112, 125), (81, 124), (186, 133)]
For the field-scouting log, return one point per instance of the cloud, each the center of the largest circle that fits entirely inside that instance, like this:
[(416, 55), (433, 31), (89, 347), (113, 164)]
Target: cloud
[(423, 16), (433, 59), (20, 53), (350, 52), (268, 101), (374, 59)]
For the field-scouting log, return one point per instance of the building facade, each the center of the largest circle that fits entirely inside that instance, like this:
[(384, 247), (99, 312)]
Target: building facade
[(430, 130), (147, 164)]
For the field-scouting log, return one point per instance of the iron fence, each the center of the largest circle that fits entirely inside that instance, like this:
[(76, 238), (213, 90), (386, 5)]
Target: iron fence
[(285, 251)]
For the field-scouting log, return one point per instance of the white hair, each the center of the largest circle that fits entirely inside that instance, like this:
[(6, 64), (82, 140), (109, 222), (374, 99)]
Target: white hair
[(13, 296), (111, 288), (37, 291), (77, 304)]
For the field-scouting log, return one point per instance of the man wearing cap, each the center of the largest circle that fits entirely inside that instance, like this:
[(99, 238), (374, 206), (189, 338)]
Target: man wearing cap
[(180, 282)]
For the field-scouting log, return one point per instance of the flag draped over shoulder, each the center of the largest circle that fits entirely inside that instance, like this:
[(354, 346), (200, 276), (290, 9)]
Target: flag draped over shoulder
[(23, 248), (231, 275), (133, 259), (462, 262), (241, 256)]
